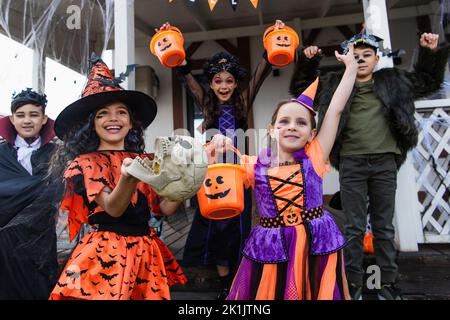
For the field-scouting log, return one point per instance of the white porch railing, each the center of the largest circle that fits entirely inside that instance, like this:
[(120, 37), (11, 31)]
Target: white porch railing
[(432, 165)]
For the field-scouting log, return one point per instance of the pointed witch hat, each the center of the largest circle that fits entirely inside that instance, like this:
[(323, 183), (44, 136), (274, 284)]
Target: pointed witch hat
[(306, 99), (102, 89)]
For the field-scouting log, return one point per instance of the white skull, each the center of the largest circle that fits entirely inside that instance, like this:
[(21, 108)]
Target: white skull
[(178, 170)]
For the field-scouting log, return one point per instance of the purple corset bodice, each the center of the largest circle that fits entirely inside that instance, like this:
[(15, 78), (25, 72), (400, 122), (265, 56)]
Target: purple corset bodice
[(227, 120)]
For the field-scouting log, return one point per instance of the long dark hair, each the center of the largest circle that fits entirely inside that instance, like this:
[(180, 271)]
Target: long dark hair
[(84, 139), (212, 110)]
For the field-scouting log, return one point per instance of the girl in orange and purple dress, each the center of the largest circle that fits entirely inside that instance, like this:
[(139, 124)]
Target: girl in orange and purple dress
[(295, 251)]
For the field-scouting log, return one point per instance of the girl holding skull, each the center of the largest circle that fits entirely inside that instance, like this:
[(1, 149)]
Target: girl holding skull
[(122, 258)]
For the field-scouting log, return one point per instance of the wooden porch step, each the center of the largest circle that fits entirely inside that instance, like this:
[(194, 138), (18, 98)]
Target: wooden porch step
[(176, 230), (423, 275)]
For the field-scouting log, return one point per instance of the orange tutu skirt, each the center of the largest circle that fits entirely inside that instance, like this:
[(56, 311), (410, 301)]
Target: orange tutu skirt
[(107, 266)]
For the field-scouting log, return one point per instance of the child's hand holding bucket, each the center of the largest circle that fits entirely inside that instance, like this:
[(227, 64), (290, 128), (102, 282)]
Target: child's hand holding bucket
[(279, 24), (312, 51), (164, 27), (218, 144), (221, 142), (167, 44)]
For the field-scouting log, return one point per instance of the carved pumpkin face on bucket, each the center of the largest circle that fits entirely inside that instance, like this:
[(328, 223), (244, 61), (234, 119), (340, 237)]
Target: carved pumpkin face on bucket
[(164, 44), (283, 41), (222, 193), (291, 218), (217, 185)]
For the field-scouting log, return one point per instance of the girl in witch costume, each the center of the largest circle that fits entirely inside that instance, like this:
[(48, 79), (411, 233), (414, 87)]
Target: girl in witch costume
[(295, 252), (28, 265), (226, 108), (122, 258)]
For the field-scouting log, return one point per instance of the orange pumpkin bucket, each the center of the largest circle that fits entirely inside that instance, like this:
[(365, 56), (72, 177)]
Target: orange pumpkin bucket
[(222, 193), (281, 44), (167, 44)]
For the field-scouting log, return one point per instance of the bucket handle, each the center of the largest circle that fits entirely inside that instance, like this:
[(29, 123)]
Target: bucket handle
[(175, 29), (227, 146), (235, 150), (168, 28), (268, 31)]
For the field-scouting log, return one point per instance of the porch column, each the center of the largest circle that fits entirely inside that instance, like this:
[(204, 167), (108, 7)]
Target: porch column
[(407, 220), (38, 72), (124, 53), (377, 23)]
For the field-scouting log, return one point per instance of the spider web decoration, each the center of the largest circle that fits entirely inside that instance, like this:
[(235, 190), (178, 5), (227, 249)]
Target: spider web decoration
[(65, 31)]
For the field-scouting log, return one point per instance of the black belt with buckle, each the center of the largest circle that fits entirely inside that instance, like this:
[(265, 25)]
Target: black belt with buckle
[(290, 218)]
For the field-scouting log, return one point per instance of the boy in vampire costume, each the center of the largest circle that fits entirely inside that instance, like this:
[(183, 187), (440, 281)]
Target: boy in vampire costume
[(27, 229)]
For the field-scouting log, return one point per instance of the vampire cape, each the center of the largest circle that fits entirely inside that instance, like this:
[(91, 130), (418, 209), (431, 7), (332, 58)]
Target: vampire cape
[(28, 264)]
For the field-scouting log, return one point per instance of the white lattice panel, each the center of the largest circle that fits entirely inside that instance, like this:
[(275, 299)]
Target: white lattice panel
[(432, 164)]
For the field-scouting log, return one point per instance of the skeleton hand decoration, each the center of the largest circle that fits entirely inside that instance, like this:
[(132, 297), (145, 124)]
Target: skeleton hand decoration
[(178, 170)]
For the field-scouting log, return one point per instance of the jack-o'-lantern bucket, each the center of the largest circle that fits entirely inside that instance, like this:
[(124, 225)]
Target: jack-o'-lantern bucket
[(222, 193), (167, 44), (281, 44)]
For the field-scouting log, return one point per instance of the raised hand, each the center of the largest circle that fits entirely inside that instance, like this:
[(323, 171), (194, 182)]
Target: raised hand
[(279, 24), (165, 26), (429, 40), (221, 142), (312, 51), (347, 59), (218, 144)]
